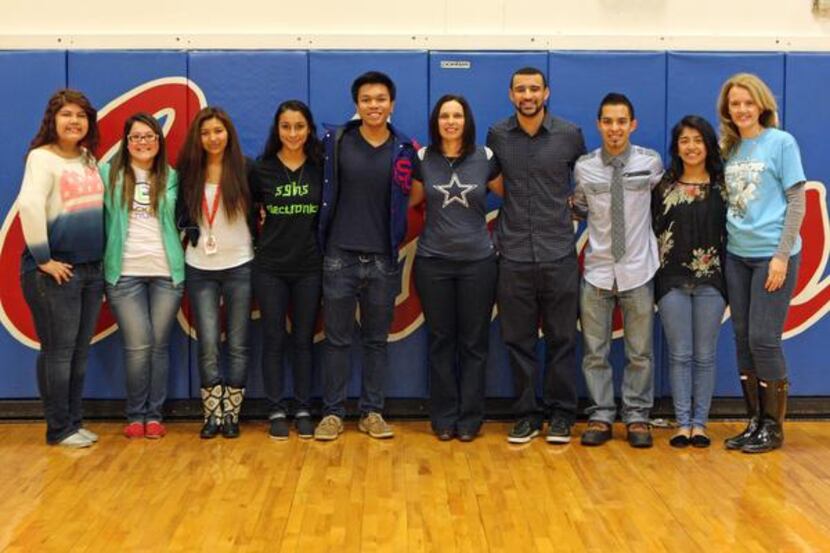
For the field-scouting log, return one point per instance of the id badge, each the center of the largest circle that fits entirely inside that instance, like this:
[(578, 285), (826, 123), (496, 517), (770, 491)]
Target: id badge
[(210, 245)]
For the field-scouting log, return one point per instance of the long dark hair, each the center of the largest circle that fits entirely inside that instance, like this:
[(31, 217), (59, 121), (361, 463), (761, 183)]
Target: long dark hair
[(714, 162), (120, 165), (312, 148), (468, 136), (48, 133), (192, 164)]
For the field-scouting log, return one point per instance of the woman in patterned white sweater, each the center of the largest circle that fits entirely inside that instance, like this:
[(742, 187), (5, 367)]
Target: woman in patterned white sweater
[(61, 212)]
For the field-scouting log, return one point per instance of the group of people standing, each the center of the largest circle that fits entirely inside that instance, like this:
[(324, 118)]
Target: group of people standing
[(313, 218)]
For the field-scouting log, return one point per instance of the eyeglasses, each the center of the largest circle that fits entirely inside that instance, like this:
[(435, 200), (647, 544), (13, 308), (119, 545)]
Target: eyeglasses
[(142, 138)]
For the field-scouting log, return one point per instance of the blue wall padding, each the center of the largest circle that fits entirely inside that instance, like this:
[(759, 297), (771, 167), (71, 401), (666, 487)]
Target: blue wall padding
[(693, 81), (808, 115), (30, 79), (484, 82), (250, 86), (662, 85), (330, 76), (104, 76)]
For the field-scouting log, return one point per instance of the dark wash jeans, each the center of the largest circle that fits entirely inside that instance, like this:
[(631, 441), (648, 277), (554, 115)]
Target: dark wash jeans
[(65, 316), (548, 291), (373, 282), (274, 294), (457, 297), (204, 289), (757, 315)]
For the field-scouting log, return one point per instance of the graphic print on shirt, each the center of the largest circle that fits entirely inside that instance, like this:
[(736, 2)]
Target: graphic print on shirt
[(665, 242), (704, 263), (455, 191), (79, 192), (290, 199), (141, 200), (743, 177)]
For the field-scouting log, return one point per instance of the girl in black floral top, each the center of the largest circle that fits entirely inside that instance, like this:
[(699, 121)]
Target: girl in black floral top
[(689, 214)]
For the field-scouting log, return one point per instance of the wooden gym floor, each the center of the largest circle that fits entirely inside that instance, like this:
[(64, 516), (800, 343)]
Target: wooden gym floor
[(411, 493)]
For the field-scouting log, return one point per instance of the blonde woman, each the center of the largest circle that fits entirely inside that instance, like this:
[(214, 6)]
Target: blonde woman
[(765, 186)]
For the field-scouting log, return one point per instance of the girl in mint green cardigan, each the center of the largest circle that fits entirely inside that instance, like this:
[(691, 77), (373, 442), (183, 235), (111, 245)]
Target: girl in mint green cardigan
[(143, 266)]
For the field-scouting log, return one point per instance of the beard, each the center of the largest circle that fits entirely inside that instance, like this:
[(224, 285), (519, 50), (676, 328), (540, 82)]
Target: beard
[(534, 111)]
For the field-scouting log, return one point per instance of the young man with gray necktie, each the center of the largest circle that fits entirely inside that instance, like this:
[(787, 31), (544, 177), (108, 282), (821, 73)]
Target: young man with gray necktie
[(613, 189)]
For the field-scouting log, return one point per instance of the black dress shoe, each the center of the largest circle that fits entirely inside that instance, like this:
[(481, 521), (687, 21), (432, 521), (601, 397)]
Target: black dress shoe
[(210, 429), (445, 434), (679, 440), (700, 440), (639, 435), (230, 428), (597, 433)]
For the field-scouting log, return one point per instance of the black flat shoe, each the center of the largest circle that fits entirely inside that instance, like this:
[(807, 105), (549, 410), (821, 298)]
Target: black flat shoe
[(700, 440), (467, 436), (679, 441)]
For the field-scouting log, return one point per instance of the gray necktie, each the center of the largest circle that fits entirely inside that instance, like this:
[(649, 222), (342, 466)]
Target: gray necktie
[(617, 211)]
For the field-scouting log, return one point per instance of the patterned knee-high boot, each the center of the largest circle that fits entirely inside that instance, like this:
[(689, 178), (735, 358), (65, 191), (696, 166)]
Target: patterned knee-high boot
[(212, 407), (232, 401)]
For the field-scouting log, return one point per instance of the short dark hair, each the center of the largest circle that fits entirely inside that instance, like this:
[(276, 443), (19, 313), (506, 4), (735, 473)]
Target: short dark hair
[(528, 71), (468, 136), (616, 99), (373, 77)]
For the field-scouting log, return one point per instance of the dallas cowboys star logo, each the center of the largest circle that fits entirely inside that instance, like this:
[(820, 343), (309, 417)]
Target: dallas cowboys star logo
[(454, 191)]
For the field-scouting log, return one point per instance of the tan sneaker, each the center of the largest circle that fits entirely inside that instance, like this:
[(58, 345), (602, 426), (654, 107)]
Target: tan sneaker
[(329, 428), (374, 425)]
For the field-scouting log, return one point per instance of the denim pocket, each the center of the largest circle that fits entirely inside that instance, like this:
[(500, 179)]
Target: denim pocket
[(332, 263), (387, 267)]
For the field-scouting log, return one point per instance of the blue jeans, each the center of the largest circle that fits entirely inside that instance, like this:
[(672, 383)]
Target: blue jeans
[(691, 317), (274, 293), (597, 308), (372, 281), (457, 297), (757, 315), (145, 308), (205, 289), (65, 316)]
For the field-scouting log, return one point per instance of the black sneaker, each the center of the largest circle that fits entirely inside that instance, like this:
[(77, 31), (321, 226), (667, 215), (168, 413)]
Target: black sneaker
[(305, 426), (559, 431), (278, 429), (523, 431)]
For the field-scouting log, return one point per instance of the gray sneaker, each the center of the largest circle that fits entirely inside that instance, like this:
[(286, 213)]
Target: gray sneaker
[(374, 425), (88, 434), (75, 441), (329, 428)]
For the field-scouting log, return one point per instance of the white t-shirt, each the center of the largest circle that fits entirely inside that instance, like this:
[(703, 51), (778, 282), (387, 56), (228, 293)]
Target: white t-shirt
[(144, 253), (233, 239)]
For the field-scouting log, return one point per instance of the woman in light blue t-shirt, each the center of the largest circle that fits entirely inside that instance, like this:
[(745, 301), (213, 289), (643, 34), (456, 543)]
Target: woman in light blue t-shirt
[(765, 185)]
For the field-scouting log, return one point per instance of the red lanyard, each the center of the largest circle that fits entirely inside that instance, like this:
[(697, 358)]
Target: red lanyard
[(211, 216)]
